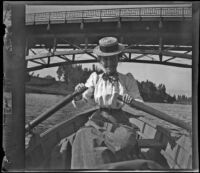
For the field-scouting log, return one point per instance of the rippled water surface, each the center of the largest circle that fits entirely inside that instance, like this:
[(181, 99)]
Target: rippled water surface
[(39, 103)]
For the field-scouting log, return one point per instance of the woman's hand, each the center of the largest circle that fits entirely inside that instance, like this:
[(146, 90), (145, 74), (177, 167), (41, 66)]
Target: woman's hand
[(79, 88), (127, 98)]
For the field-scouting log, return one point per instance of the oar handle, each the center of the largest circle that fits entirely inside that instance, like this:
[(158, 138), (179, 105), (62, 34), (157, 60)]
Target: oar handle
[(52, 110), (157, 113)]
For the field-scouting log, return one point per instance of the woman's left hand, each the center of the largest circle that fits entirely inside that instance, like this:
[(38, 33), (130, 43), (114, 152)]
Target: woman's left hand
[(127, 98)]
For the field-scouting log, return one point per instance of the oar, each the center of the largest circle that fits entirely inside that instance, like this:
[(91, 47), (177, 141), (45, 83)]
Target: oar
[(52, 110), (159, 114), (134, 104)]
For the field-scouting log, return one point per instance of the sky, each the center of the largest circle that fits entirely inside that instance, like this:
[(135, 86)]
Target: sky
[(177, 80)]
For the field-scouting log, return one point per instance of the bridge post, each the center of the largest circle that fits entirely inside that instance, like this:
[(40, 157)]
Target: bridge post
[(26, 62), (54, 44), (49, 57), (119, 25), (86, 41), (74, 55), (34, 19), (183, 16), (160, 26), (82, 25), (65, 16)]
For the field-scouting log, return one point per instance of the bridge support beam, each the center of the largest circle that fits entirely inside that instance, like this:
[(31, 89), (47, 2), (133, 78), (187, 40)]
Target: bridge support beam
[(160, 26), (54, 44)]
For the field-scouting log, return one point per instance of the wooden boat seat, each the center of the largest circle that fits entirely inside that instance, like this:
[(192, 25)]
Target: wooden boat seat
[(138, 164), (149, 143)]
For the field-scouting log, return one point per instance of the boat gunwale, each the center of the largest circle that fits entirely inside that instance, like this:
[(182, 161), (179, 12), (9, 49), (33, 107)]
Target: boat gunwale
[(55, 127)]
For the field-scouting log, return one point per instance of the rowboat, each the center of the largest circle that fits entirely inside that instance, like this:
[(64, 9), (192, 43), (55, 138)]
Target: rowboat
[(156, 142)]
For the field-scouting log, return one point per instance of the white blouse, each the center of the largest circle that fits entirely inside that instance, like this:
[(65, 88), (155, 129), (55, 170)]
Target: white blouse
[(104, 93)]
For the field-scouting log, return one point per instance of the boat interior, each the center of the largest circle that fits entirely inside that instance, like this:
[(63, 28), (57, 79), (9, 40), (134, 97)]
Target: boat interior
[(155, 142)]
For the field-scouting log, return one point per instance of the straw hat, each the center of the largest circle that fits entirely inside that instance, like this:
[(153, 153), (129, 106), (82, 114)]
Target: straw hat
[(108, 46)]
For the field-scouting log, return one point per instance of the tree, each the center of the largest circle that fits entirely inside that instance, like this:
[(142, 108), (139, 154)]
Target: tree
[(150, 92), (183, 99), (174, 97), (65, 71), (93, 67), (162, 88), (50, 77), (72, 74), (59, 72)]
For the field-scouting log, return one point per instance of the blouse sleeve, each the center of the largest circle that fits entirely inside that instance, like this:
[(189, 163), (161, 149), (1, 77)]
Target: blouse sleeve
[(132, 87), (91, 82), (88, 95)]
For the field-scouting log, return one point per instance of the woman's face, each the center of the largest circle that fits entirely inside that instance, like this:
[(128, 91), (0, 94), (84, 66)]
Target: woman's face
[(109, 64)]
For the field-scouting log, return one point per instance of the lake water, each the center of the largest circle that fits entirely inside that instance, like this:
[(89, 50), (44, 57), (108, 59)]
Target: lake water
[(38, 103)]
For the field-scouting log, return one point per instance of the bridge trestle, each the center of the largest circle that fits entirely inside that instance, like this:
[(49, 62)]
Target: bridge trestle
[(151, 35)]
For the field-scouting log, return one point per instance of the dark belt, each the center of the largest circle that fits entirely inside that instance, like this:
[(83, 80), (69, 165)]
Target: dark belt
[(110, 114), (110, 110)]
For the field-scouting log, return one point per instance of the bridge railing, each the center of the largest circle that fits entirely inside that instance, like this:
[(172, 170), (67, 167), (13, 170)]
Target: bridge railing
[(64, 16)]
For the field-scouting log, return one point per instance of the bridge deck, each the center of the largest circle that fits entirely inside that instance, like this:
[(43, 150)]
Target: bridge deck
[(109, 14), (145, 31)]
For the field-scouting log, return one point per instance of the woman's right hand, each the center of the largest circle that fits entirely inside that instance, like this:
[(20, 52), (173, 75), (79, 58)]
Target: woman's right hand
[(80, 87)]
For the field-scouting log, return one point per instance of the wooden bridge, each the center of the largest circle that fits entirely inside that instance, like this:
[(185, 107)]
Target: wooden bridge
[(103, 14), (145, 31)]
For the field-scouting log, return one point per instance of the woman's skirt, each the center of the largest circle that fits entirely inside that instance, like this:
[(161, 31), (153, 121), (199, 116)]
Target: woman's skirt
[(107, 137)]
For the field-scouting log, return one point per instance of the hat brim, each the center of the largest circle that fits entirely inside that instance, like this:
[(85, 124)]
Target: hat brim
[(98, 52)]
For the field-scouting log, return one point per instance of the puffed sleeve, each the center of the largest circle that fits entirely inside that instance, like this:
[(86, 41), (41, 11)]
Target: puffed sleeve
[(132, 87), (88, 95), (92, 80)]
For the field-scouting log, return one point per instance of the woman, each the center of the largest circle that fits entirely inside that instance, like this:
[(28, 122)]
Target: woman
[(108, 135), (110, 83)]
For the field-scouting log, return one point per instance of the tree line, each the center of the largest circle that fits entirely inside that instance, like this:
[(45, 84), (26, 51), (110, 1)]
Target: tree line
[(74, 74), (182, 99)]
